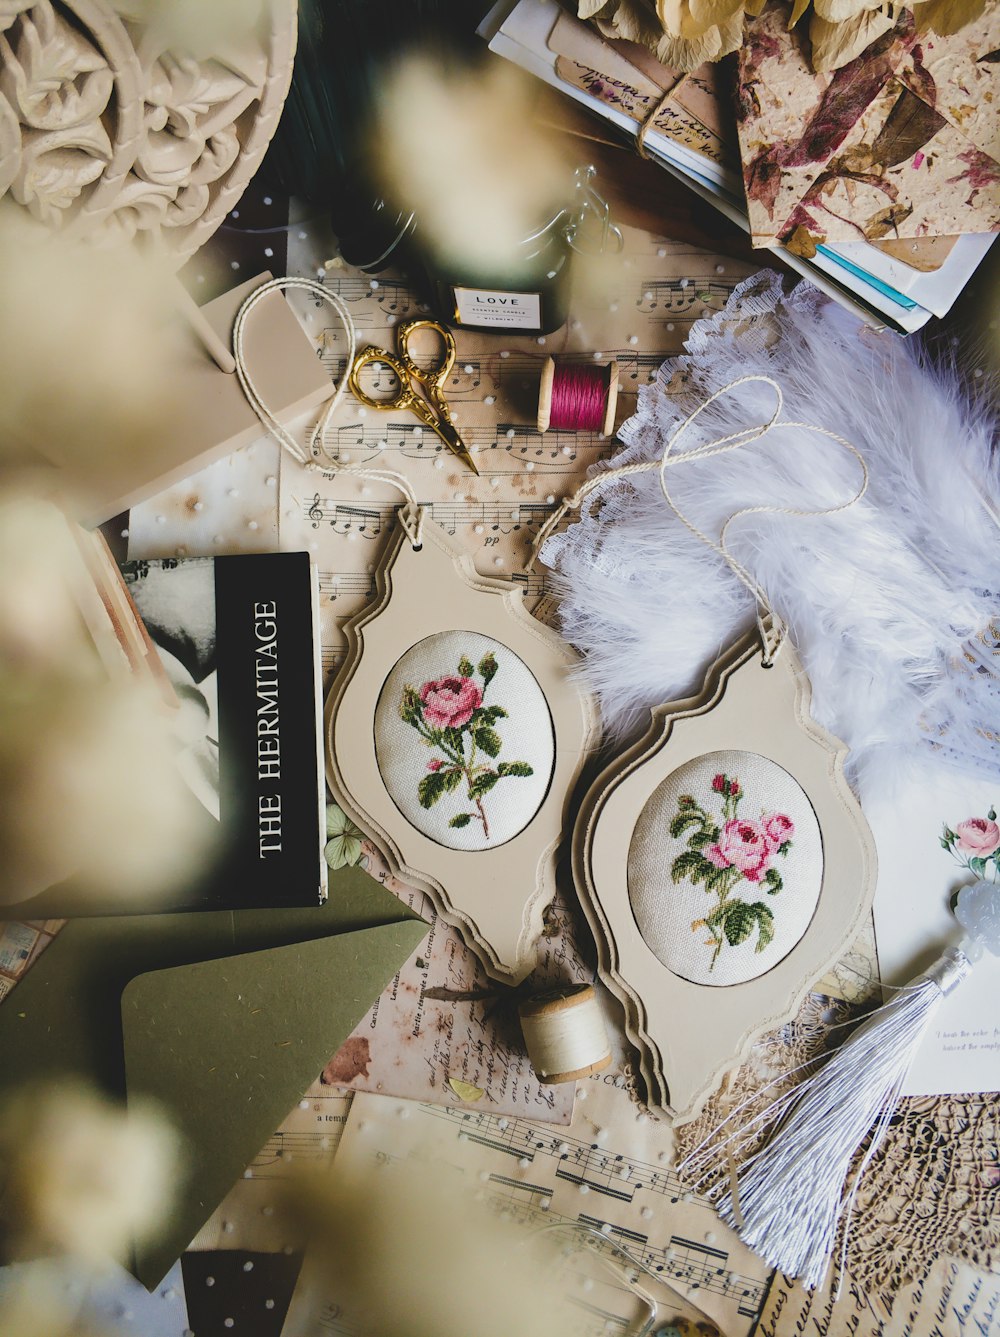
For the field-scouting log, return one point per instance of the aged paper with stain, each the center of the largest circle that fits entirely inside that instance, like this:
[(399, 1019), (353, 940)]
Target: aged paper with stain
[(953, 1300), (901, 142), (444, 1031)]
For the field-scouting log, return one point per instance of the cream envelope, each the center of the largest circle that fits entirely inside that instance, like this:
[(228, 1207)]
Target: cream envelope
[(225, 1018)]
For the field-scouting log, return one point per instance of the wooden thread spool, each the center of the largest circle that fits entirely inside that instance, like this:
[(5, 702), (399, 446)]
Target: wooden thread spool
[(565, 1033), (573, 398)]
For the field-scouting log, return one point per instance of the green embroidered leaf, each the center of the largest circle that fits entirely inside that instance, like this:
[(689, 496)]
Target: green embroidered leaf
[(431, 787), (483, 783), (718, 877), (765, 925), (784, 847), (490, 714), (740, 919), (706, 836), (465, 667), (487, 739), (454, 739), (690, 864), (409, 705), (682, 821), (716, 916), (463, 819), (488, 667), (774, 883), (515, 768)]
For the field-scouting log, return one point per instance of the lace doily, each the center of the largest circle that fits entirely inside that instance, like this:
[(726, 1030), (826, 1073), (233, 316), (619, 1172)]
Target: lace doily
[(932, 1189)]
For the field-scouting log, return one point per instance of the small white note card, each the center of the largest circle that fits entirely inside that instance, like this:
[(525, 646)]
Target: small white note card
[(935, 835)]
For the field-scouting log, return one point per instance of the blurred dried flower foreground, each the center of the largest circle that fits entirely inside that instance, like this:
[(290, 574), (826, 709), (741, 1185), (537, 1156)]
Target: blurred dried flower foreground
[(462, 148), (82, 1178), (146, 119), (89, 787), (86, 348), (413, 1252)]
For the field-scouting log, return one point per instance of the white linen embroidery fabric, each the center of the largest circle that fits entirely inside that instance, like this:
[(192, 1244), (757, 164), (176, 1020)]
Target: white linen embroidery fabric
[(464, 740), (725, 867)]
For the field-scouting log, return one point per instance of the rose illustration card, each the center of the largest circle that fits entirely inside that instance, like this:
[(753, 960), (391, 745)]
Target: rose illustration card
[(934, 835)]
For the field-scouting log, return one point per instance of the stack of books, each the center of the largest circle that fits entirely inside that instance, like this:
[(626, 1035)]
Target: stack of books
[(888, 202)]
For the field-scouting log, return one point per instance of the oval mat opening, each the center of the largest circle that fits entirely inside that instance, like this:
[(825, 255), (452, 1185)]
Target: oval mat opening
[(464, 740), (725, 868)]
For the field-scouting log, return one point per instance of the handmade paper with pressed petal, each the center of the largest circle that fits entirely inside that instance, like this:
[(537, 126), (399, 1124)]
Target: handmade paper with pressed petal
[(878, 149)]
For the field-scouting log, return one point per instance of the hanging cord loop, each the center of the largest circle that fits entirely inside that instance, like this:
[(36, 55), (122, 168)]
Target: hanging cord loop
[(411, 516), (771, 628)]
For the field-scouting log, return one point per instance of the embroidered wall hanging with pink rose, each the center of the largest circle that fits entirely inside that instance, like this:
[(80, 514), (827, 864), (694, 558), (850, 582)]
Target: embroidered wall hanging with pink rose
[(723, 862), (455, 737)]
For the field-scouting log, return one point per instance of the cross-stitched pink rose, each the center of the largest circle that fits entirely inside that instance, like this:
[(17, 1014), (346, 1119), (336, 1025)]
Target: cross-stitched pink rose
[(742, 844), (721, 857), (778, 828), (449, 702), (448, 713)]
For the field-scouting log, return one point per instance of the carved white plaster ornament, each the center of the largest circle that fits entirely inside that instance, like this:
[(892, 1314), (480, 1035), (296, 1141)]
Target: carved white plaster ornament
[(106, 132)]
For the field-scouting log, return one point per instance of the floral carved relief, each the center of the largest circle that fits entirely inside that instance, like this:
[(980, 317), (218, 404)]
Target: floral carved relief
[(100, 134)]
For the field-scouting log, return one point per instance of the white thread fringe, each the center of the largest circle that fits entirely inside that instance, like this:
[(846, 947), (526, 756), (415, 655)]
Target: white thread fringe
[(790, 1196)]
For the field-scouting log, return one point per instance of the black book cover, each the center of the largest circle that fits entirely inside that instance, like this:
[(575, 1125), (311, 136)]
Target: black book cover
[(237, 637)]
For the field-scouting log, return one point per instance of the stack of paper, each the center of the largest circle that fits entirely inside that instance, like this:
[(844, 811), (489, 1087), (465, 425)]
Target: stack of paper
[(900, 282)]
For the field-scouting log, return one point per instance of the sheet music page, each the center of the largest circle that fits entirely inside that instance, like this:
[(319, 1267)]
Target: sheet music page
[(636, 307), (610, 1168)]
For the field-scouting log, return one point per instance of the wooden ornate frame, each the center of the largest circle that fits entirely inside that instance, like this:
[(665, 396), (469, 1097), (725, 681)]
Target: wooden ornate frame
[(495, 897), (689, 1035)]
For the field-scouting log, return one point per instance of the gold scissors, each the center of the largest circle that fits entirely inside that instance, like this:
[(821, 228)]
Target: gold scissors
[(431, 407)]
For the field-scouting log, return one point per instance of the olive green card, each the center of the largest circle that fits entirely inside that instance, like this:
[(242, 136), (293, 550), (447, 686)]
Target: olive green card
[(224, 1017)]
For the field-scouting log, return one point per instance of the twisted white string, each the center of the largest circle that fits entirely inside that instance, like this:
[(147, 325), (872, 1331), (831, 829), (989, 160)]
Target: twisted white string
[(771, 628), (411, 517)]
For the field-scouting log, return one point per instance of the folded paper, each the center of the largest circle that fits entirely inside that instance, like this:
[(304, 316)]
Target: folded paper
[(225, 1018)]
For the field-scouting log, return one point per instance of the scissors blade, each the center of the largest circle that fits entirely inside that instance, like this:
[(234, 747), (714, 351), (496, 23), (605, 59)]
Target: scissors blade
[(448, 433)]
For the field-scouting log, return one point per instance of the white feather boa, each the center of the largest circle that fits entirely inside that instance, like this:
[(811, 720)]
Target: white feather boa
[(884, 602)]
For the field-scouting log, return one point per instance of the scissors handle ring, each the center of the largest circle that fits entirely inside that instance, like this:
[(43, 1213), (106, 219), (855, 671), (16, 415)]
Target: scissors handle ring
[(429, 375), (402, 399)]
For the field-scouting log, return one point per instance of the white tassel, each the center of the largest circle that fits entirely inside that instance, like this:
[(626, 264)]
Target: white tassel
[(789, 1197)]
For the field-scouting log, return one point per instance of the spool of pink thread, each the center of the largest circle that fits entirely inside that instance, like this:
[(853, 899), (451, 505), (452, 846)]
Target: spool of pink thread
[(578, 398)]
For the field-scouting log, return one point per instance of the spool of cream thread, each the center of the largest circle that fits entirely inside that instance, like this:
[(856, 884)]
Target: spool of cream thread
[(565, 1034), (556, 386)]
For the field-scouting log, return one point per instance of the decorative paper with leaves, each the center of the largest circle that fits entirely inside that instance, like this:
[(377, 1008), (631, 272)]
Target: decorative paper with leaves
[(725, 868), (901, 142), (464, 740)]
